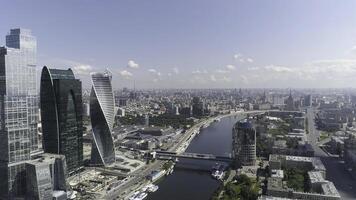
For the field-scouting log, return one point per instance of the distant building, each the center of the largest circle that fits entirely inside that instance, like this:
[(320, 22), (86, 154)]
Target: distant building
[(121, 101), (102, 119), (176, 110), (197, 107), (120, 112), (18, 110), (46, 177), (244, 144), (290, 106), (308, 100), (61, 113)]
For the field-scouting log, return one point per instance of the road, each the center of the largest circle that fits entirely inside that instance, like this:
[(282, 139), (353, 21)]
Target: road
[(335, 170)]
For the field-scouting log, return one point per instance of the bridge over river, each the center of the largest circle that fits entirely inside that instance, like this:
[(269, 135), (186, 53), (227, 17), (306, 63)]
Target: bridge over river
[(166, 155)]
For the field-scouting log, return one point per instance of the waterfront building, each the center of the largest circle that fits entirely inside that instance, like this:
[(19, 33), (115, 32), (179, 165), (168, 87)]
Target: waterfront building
[(46, 177), (18, 110), (62, 115), (102, 119), (244, 143)]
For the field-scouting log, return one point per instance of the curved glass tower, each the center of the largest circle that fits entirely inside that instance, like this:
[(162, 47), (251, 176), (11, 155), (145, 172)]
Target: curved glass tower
[(102, 119), (61, 113)]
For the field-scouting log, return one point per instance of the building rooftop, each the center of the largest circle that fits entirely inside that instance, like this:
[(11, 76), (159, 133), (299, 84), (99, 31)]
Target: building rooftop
[(275, 184), (277, 173), (329, 189), (299, 158), (316, 177)]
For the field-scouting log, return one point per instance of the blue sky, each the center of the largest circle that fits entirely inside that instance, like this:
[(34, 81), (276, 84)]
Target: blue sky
[(195, 43)]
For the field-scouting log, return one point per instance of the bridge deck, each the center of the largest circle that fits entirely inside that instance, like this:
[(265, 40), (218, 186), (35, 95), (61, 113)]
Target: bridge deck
[(199, 156)]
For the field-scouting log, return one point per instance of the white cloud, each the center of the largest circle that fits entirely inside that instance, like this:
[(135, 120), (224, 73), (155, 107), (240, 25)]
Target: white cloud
[(200, 71), (152, 71), (169, 74), (226, 79), (230, 67), (155, 73), (132, 64), (82, 69), (237, 56), (222, 71), (241, 58), (126, 74), (253, 68), (176, 70), (278, 68), (213, 78), (353, 50)]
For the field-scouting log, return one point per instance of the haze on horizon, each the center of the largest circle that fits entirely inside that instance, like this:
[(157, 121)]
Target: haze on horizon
[(196, 43)]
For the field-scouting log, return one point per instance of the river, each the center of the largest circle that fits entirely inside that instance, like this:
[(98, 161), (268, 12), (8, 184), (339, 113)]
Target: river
[(191, 179)]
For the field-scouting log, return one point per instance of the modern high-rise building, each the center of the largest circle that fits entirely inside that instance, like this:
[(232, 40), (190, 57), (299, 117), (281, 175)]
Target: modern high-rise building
[(244, 143), (102, 119), (290, 106), (46, 177), (308, 101), (198, 107), (62, 115), (18, 110)]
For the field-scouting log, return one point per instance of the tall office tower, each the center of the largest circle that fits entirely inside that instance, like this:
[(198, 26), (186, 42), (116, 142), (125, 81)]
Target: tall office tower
[(198, 107), (18, 110), (308, 101), (62, 115), (290, 106), (244, 143), (102, 119)]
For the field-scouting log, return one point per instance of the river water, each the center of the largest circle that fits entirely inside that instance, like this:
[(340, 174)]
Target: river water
[(191, 179)]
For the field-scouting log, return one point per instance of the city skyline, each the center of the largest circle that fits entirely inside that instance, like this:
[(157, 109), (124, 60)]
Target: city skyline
[(233, 44)]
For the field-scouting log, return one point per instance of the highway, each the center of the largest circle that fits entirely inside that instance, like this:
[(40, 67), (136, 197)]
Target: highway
[(335, 170)]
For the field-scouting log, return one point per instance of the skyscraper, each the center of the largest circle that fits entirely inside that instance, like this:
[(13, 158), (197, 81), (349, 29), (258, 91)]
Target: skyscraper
[(62, 115), (102, 119), (244, 143), (198, 107), (18, 110)]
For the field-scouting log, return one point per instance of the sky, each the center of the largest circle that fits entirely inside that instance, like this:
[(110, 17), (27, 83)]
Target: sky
[(194, 43)]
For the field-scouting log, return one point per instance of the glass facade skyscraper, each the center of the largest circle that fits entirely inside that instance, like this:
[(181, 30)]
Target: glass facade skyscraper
[(18, 110), (61, 114), (102, 119), (244, 143)]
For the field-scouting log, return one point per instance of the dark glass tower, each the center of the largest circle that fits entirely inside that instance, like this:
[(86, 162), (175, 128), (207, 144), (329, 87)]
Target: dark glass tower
[(244, 143), (61, 114)]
